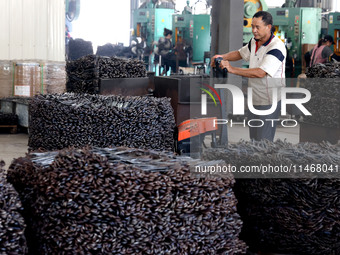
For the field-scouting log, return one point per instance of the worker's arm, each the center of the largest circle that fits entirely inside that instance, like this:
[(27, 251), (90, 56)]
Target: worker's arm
[(230, 56), (335, 57), (245, 72)]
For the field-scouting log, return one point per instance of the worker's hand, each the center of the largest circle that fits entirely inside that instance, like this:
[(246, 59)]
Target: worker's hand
[(212, 61), (225, 64)]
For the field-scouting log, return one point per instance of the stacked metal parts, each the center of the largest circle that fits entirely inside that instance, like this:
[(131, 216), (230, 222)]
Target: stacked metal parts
[(78, 48), (110, 50), (8, 119), (290, 215), (121, 68), (125, 201), (12, 227), (85, 73), (59, 121), (325, 102), (327, 70)]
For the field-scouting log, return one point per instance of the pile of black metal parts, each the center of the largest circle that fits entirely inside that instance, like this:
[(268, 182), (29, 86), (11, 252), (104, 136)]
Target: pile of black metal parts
[(58, 121), (325, 102), (124, 201), (110, 50), (85, 73), (8, 119), (78, 48), (327, 70), (12, 225), (287, 215), (114, 67)]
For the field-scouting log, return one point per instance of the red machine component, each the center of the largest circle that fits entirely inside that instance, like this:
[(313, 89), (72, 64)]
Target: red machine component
[(191, 134), (194, 127)]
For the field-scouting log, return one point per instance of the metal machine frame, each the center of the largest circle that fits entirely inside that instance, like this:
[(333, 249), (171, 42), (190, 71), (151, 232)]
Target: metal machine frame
[(334, 30)]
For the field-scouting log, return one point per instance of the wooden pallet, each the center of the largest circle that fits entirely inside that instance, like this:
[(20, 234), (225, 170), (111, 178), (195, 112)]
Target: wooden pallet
[(13, 128)]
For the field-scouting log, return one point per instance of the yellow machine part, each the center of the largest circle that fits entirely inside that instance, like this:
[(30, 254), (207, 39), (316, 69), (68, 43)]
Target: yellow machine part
[(250, 3), (176, 35), (276, 29), (138, 33), (337, 41), (278, 33)]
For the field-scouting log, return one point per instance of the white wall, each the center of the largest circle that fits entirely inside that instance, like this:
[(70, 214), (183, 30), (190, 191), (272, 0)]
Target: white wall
[(275, 3), (32, 29), (336, 5), (103, 21)]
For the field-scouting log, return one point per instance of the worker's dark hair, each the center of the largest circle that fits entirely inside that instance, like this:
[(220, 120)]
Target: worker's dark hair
[(267, 18), (326, 38), (167, 32), (320, 42)]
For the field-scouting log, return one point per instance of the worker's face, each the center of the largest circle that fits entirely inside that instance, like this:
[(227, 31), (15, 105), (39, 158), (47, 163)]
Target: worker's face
[(260, 29)]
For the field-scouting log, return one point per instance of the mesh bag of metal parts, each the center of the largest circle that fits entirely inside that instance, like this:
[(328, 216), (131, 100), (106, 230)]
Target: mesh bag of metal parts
[(125, 201), (84, 74), (8, 119), (327, 70), (62, 120), (287, 215), (12, 225), (324, 104), (78, 48)]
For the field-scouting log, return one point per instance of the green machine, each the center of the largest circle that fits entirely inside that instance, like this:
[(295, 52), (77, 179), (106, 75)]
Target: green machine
[(297, 26), (193, 30), (72, 9), (334, 30), (150, 20), (201, 36), (183, 26)]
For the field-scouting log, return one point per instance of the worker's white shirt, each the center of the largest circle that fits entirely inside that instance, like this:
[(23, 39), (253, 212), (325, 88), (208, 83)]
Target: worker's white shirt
[(271, 58)]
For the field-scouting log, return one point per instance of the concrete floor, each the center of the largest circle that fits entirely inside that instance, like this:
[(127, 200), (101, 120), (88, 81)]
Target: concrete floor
[(12, 146), (16, 145)]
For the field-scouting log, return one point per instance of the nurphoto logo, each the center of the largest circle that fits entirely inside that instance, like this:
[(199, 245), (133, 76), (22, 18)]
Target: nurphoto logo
[(238, 104)]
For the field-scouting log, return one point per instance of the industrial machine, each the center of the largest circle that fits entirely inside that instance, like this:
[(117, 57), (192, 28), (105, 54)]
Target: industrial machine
[(250, 8), (192, 132), (334, 30), (150, 19), (186, 100), (183, 31), (72, 9), (192, 30), (297, 26), (191, 135)]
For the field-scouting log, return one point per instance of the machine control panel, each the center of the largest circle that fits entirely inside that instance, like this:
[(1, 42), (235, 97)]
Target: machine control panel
[(296, 25), (153, 23), (191, 29), (280, 13)]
